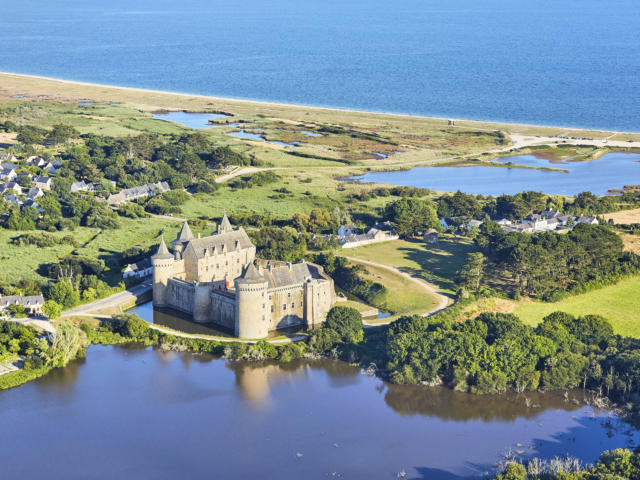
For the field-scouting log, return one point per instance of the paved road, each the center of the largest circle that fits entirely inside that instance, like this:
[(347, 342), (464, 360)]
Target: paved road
[(443, 300), (117, 300)]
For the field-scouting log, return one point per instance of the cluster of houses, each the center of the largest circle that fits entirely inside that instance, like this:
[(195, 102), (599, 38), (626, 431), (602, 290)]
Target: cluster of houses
[(11, 181), (32, 304), (545, 221)]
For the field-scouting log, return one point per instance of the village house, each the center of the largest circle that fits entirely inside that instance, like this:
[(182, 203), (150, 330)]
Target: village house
[(140, 270), (34, 193), (135, 193), (11, 187), (13, 199), (374, 235), (33, 204), (32, 304), (36, 161), (8, 171), (42, 182), (588, 220), (52, 167), (81, 186)]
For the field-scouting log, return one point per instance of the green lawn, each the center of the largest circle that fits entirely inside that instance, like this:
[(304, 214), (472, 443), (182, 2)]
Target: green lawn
[(404, 296), (619, 303), (437, 263)]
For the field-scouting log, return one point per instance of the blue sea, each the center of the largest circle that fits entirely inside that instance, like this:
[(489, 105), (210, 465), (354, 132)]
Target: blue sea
[(554, 62)]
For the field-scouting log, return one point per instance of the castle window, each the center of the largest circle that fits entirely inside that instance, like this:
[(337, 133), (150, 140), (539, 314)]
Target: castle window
[(293, 305), (284, 306), (289, 294), (272, 308)]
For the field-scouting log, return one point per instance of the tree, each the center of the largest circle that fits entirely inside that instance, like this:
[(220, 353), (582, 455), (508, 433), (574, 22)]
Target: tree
[(52, 309), (412, 215), (29, 135), (472, 273), (346, 322), (64, 294), (61, 134)]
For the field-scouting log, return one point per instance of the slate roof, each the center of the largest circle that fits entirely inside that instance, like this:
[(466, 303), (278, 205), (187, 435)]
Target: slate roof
[(185, 233), (141, 265), (163, 252), (30, 301), (281, 274), (137, 192), (215, 243), (225, 224)]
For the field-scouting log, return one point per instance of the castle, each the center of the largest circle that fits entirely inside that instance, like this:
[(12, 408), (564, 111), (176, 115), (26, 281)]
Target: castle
[(217, 279)]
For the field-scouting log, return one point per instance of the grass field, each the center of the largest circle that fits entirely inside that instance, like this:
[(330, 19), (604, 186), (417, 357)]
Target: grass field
[(624, 217), (404, 297), (28, 261), (619, 303), (437, 263)]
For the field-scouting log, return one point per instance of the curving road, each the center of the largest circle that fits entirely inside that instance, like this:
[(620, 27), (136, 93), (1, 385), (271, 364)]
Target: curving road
[(443, 300)]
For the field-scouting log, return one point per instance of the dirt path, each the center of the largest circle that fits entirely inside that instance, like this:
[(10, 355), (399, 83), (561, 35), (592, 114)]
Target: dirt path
[(443, 300)]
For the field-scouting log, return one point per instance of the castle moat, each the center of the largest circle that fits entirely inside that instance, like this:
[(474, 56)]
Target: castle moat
[(169, 415)]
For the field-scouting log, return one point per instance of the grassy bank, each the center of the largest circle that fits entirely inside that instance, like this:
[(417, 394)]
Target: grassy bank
[(618, 303)]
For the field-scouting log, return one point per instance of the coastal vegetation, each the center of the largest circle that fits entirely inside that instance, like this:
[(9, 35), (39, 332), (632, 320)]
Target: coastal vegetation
[(612, 465)]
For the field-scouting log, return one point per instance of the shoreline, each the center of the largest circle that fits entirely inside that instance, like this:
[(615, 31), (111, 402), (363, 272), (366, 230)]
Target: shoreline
[(303, 106)]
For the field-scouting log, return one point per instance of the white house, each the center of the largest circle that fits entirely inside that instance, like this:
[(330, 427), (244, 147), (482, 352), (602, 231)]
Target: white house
[(588, 220), (32, 304), (141, 269), (82, 187), (35, 193)]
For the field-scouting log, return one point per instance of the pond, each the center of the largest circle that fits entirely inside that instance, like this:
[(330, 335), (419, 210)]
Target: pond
[(189, 119), (259, 137), (611, 171), (133, 412)]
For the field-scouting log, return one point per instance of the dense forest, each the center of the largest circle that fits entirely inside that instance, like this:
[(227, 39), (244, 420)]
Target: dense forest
[(547, 265)]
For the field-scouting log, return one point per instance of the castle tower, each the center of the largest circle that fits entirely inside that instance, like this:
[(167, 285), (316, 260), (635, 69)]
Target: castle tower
[(162, 263), (225, 224), (252, 320), (181, 241)]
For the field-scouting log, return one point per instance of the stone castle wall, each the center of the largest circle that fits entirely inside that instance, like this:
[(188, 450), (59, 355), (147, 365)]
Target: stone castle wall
[(181, 295), (223, 309)]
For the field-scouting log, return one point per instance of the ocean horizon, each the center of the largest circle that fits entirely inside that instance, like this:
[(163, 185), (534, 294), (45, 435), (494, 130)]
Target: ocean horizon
[(454, 60)]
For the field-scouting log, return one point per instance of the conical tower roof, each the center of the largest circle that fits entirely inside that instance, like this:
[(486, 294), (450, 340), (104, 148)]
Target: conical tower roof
[(251, 275), (163, 251), (185, 233), (225, 224)]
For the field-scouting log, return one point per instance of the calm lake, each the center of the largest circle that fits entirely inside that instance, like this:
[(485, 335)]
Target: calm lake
[(572, 63), (611, 171), (131, 412)]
